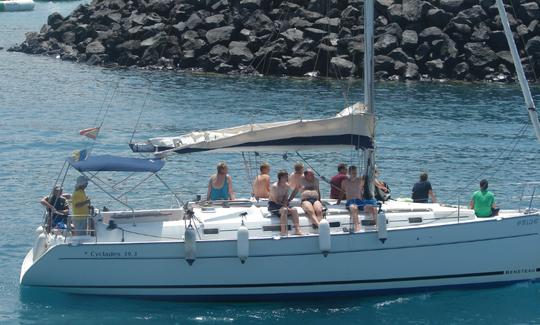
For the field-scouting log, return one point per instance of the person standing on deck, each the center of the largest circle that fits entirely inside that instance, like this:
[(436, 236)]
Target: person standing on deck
[(483, 202), (80, 206), (422, 191), (278, 204), (261, 184), (220, 185), (336, 191)]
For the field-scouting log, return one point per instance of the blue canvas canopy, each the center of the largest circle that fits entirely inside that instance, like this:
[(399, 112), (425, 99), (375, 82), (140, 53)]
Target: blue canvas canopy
[(108, 163)]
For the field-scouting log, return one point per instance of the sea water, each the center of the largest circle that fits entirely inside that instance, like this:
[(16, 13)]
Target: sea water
[(458, 133)]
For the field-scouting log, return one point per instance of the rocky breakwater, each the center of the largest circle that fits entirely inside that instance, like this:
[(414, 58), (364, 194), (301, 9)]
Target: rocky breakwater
[(415, 39)]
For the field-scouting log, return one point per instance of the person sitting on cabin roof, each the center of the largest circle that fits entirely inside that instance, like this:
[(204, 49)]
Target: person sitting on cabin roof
[(296, 178), (261, 184), (278, 203), (354, 188), (220, 185), (57, 209), (336, 191), (483, 202), (80, 206), (422, 191), (310, 195)]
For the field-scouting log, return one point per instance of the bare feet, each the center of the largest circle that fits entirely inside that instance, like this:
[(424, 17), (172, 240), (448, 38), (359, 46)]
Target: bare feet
[(298, 233)]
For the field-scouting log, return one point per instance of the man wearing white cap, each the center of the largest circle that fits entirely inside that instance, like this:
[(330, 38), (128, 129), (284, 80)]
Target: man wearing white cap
[(81, 205)]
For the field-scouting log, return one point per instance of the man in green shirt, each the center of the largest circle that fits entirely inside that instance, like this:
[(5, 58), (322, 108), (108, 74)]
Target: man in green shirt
[(483, 202)]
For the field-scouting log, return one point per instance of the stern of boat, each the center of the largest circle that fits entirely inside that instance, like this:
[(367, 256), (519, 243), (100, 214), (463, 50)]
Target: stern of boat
[(27, 263)]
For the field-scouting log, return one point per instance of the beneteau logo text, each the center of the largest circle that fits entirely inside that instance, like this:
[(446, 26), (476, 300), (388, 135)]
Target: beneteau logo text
[(519, 271)]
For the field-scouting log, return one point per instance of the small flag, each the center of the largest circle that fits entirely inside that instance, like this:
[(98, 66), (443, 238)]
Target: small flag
[(79, 155), (90, 132)]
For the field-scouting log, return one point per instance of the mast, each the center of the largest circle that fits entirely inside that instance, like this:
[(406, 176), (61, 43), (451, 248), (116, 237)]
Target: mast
[(369, 157), (533, 115)]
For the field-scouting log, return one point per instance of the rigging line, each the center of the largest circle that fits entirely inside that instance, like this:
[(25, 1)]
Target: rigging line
[(514, 143), (530, 58), (136, 185), (123, 180), (248, 173), (102, 105), (140, 114)]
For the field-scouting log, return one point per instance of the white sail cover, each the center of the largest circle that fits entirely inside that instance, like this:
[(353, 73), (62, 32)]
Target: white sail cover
[(353, 126)]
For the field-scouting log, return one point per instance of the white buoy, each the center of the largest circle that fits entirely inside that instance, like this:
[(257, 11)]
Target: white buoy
[(381, 227), (40, 246), (324, 237), (242, 241), (190, 247)]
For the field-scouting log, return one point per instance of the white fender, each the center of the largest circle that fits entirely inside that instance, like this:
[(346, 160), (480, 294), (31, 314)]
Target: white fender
[(324, 237), (190, 245), (242, 241), (40, 246), (381, 227), (39, 230)]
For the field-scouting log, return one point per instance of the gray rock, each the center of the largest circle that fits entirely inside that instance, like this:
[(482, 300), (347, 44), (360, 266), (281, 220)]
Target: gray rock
[(260, 23), (385, 44), (412, 10), (399, 55), (194, 21), (314, 33), (130, 46), (215, 21), (481, 33), (409, 40), (293, 36), (533, 46), (497, 41), (430, 34), (529, 11), (479, 55), (343, 67), (438, 17), (384, 63), (395, 13), (506, 58), (95, 48), (220, 35), (435, 68), (250, 5), (327, 24), (300, 65), (54, 20), (239, 53), (299, 23), (461, 70), (453, 6), (411, 72), (475, 14)]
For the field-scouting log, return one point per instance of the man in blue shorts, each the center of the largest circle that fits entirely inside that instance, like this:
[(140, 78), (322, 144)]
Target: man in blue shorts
[(353, 188)]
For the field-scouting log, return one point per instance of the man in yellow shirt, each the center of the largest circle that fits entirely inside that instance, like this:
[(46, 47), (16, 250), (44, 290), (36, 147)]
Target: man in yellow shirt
[(80, 206)]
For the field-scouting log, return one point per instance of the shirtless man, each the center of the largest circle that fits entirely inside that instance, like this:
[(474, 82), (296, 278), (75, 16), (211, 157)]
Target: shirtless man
[(278, 203), (261, 184), (295, 180), (353, 188)]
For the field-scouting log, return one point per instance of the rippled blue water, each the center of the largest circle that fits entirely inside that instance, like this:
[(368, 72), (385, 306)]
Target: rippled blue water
[(458, 133)]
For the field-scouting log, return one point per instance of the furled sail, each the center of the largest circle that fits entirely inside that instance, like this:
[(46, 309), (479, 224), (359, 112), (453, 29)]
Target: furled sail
[(352, 127)]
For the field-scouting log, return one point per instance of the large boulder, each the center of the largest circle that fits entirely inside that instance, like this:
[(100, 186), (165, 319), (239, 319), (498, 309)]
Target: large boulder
[(479, 55), (412, 10), (95, 48), (220, 35), (343, 67), (385, 44), (533, 46), (409, 40), (239, 53)]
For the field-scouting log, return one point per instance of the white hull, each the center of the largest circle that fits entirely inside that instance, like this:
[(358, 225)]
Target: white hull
[(474, 252), (17, 5)]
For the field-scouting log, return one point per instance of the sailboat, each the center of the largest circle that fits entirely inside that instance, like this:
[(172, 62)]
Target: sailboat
[(232, 249)]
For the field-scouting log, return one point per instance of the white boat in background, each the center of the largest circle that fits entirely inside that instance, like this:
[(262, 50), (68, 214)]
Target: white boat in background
[(16, 5), (232, 249)]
